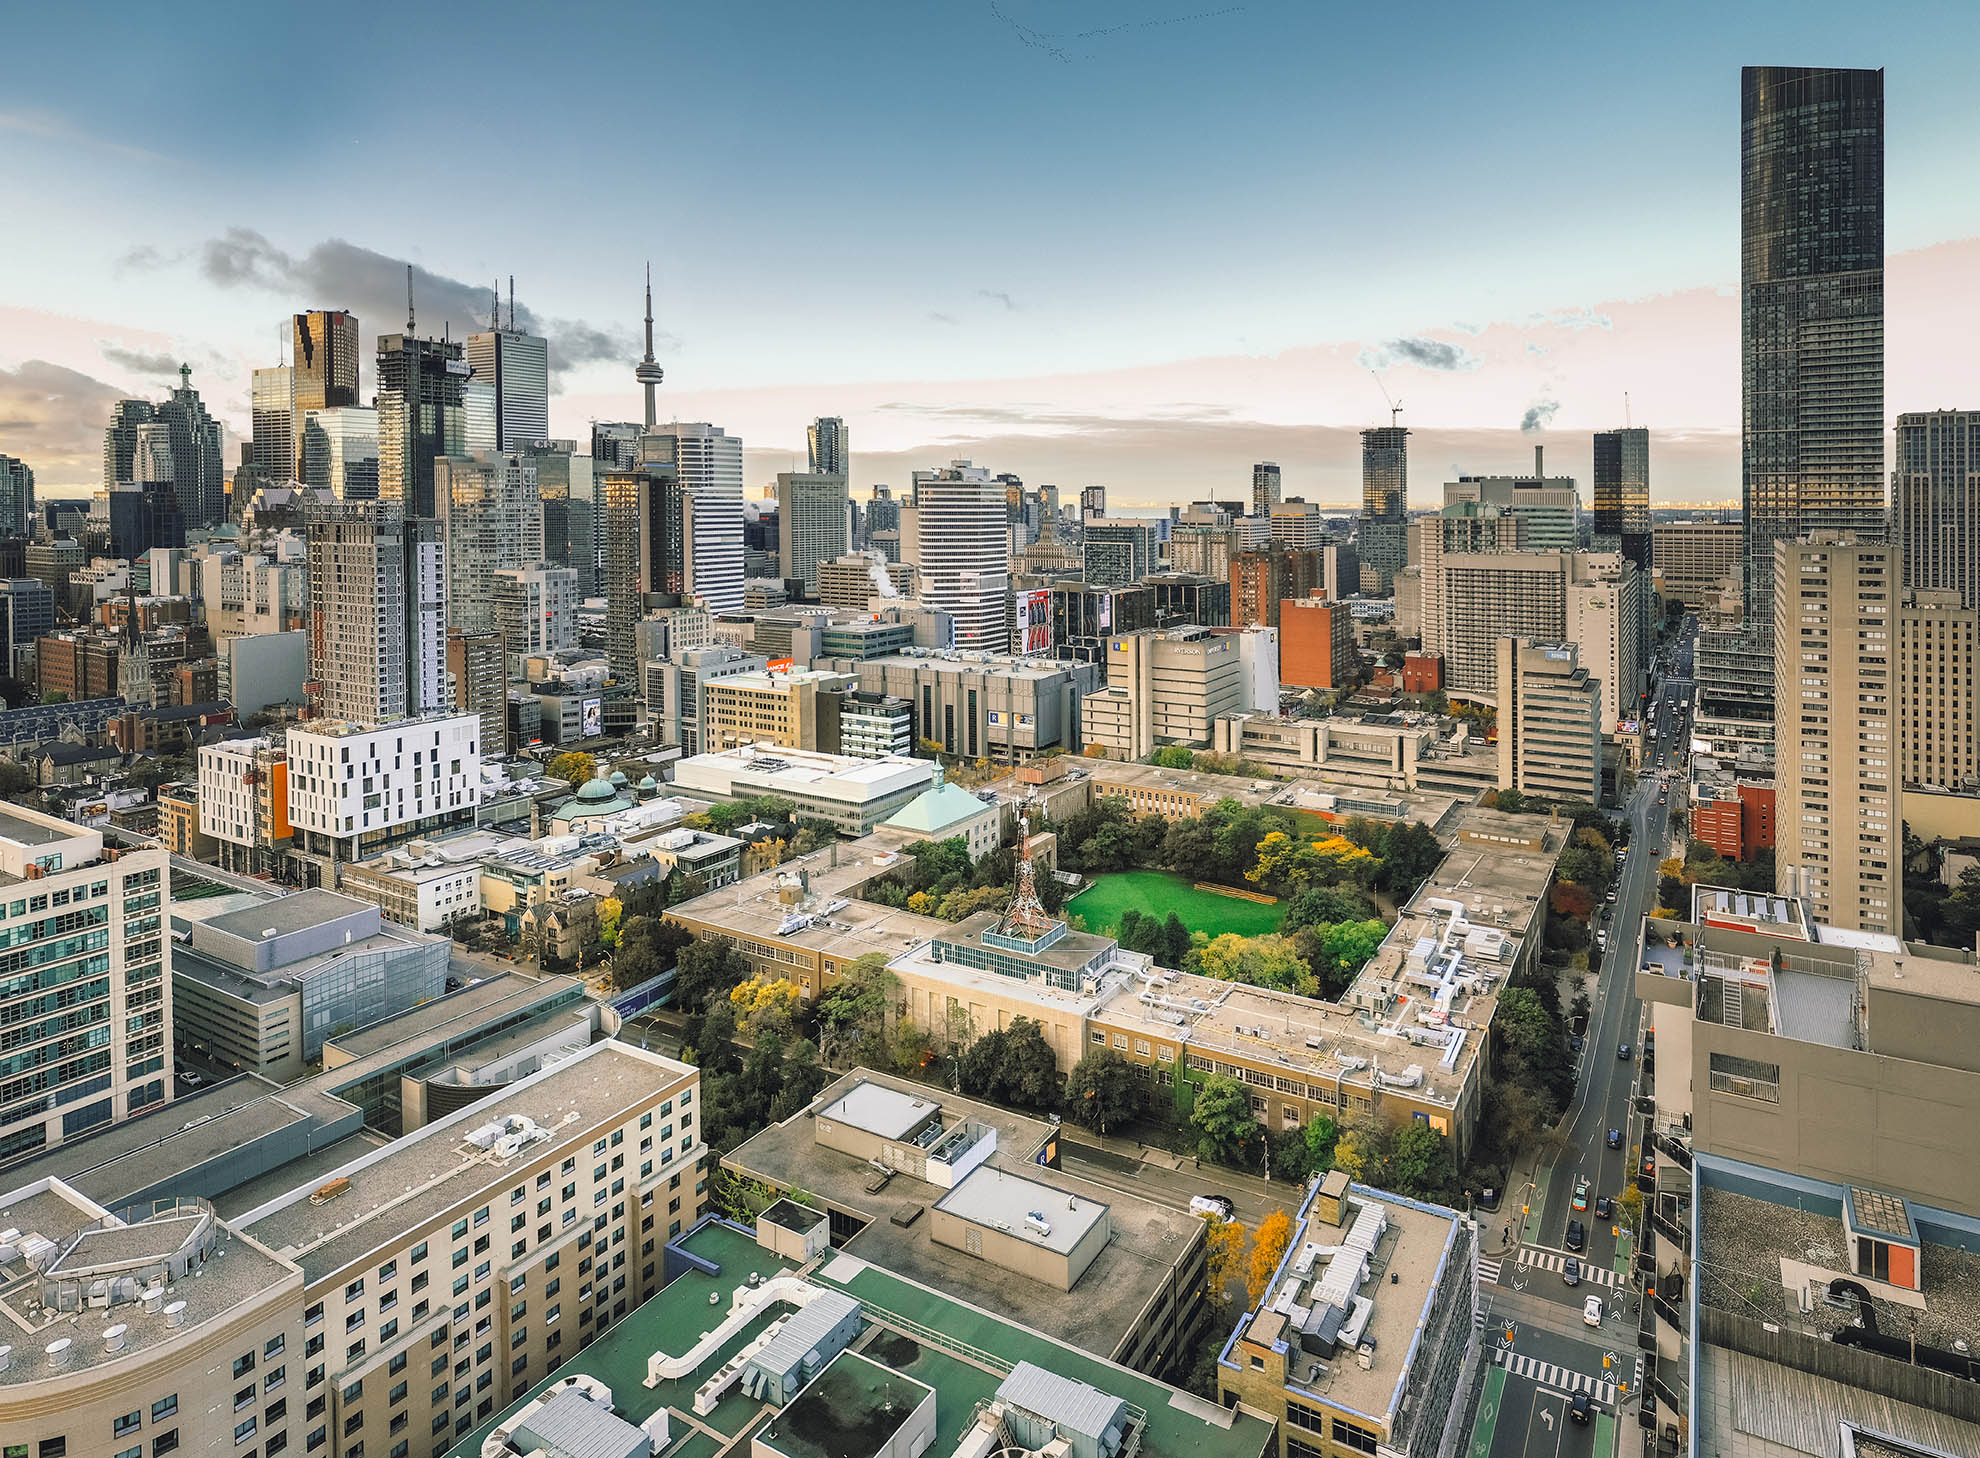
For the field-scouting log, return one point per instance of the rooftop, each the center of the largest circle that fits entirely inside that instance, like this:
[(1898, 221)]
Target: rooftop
[(852, 1409), (282, 915), (1018, 1206), (755, 907), (1750, 1408)]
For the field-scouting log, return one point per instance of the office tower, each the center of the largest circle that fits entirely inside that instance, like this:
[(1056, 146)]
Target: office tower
[(1163, 687), (566, 480), (16, 498), (1696, 559), (145, 511), (1550, 721), (1203, 542), (27, 610), (1116, 551), (1470, 526), (1938, 691), (490, 518), (478, 668), (829, 455), (479, 426), (708, 464), (120, 439), (1811, 310), (883, 513), (151, 456), (198, 469), (1838, 832), (1265, 487), (646, 371), (644, 523), (1622, 513), (1295, 524), (955, 532), (377, 612), (536, 608), (1550, 504), (517, 365), (811, 523), (1385, 473), (421, 415), (1261, 581), (324, 363), (113, 978), (273, 450), (1092, 502), (340, 451), (1936, 507), (1316, 644)]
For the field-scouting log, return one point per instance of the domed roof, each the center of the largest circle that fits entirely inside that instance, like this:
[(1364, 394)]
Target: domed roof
[(596, 789), (618, 779), (649, 783)]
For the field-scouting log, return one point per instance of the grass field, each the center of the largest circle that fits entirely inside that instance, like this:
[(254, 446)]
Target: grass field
[(1157, 893)]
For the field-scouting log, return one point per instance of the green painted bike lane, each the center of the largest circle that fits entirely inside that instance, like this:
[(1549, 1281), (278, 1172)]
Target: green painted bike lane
[(1488, 1414), (1605, 1435)]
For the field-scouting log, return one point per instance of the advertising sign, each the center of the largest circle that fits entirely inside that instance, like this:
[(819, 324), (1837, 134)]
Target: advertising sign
[(1107, 612), (592, 718), (1033, 629)]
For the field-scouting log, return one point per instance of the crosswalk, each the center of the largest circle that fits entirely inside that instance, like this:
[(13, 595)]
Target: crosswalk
[(1561, 1379), (1548, 1260), (1488, 1273)]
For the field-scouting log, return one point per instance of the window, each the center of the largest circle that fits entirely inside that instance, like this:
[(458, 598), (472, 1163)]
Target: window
[(244, 1431), (1350, 1436), (275, 1378), (243, 1365), (128, 1423), (354, 1290), (244, 1398), (272, 1347), (165, 1442), (419, 1251), (164, 1407)]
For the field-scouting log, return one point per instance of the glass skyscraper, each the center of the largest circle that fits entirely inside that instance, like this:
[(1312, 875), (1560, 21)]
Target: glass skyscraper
[(1622, 494), (420, 416), (517, 365), (324, 365), (1811, 310)]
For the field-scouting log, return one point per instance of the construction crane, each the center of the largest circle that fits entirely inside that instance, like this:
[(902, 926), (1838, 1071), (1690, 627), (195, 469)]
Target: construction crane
[(1395, 406)]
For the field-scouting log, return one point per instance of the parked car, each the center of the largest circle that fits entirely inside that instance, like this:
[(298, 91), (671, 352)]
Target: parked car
[(1218, 1205), (192, 1078), (1571, 1272), (1605, 1208), (1577, 1235), (1580, 1408), (1574, 1043), (1591, 1311), (1615, 1139)]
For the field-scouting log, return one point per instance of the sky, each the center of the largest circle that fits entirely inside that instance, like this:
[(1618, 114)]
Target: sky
[(1136, 242)]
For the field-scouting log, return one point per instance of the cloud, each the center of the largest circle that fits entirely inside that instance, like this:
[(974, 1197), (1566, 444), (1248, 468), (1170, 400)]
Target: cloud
[(1538, 351), (935, 317), (336, 274), (1574, 319), (1538, 415), (998, 296), (56, 129), (52, 417), (1429, 354), (137, 361)]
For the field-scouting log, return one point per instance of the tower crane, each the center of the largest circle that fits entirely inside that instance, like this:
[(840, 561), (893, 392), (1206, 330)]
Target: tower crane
[(1395, 406)]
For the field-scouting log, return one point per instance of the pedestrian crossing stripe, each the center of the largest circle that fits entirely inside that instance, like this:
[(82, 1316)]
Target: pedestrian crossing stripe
[(1547, 1260), (1560, 1378), (1488, 1272)]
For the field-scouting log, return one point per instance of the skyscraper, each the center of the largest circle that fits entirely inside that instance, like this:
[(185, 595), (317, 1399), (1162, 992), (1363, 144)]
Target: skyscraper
[(324, 360), (708, 463), (517, 364), (1811, 310), (566, 482), (340, 451), (377, 613), (644, 524), (1092, 501), (829, 456), (1265, 487), (420, 415), (275, 450), (1622, 516), (955, 532), (198, 472), (812, 523), (1936, 510), (490, 518), (120, 439), (1385, 472), (16, 496)]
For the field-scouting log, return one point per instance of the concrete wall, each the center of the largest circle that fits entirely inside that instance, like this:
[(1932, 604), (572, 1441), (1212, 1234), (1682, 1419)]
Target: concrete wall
[(267, 668), (1013, 1252), (1852, 1366)]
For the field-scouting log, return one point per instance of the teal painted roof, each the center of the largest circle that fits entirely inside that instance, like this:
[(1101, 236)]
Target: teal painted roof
[(937, 810)]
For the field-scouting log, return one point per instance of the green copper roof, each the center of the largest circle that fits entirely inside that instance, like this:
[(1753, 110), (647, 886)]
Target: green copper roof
[(934, 811)]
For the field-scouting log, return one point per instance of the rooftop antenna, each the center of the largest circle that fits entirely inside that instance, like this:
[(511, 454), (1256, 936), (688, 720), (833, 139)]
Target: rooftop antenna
[(512, 303), (495, 306), (409, 303), (1626, 420)]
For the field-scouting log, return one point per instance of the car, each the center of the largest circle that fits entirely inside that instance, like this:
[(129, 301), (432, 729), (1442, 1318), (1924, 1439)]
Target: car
[(1591, 1311), (1574, 1044), (1610, 897), (1580, 1408), (1581, 1194), (1217, 1205), (1615, 1139), (192, 1078), (1605, 1208), (1571, 1272), (1622, 1052), (1577, 1235)]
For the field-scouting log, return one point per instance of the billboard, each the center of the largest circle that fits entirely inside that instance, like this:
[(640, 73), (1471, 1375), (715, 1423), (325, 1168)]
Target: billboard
[(591, 722), (1106, 612), (1032, 632)]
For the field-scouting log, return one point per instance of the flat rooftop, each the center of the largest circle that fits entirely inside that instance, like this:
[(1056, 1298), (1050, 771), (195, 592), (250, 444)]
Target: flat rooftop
[(1148, 1239), (441, 1169), (1750, 1408), (23, 831), (1010, 1202), (890, 1113), (754, 909), (852, 1409)]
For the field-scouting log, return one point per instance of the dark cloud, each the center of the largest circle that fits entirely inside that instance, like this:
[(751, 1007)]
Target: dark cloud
[(52, 417), (337, 274), (137, 361), (1429, 354), (1538, 415), (998, 296)]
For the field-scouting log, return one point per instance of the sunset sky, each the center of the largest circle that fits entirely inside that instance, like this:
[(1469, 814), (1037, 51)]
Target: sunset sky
[(1139, 243)]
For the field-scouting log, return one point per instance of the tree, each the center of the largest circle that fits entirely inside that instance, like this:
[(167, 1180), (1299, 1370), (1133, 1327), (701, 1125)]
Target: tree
[(1409, 854), (1221, 1113), (1349, 944), (1315, 905), (1031, 1068), (852, 1012), (1319, 1136), (1420, 1162), (1104, 1091), (707, 969), (1174, 942), (1268, 961), (1223, 1257), (1630, 1203), (1268, 1248), (609, 912), (1172, 756), (765, 1004), (573, 766), (740, 1197)]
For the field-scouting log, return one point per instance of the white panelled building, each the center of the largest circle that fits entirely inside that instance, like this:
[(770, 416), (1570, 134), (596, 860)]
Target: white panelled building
[(355, 791), (536, 608), (956, 532), (710, 464)]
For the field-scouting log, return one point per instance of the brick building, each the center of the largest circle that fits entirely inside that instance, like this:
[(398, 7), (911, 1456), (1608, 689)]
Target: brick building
[(1316, 643)]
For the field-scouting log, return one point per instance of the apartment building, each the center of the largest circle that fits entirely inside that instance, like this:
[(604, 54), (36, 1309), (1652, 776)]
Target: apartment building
[(536, 608), (1837, 731), (1002, 707), (1550, 504), (89, 1016), (356, 790), (1164, 687), (1262, 580), (1117, 551), (1937, 691), (478, 670), (1550, 722), (1316, 644), (957, 532), (1345, 1361), (793, 709), (854, 581), (1698, 560), (813, 523), (244, 802)]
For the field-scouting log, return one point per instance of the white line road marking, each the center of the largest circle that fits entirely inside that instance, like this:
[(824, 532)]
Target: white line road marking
[(1547, 1374)]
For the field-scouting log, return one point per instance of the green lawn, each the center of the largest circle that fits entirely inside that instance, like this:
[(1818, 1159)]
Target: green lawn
[(1157, 893)]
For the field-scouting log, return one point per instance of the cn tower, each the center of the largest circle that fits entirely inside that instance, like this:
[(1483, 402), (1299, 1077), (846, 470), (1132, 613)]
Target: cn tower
[(646, 371)]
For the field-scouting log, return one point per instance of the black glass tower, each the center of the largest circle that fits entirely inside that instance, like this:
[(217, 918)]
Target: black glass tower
[(1811, 310)]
